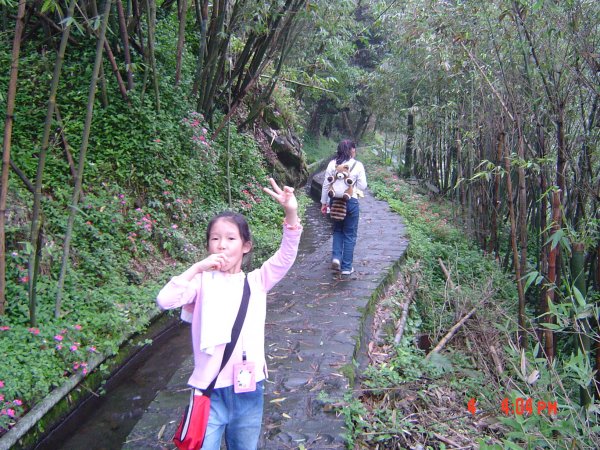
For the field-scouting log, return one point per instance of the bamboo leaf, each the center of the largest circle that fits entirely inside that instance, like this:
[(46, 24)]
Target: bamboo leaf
[(533, 277), (579, 297), (551, 326), (555, 238)]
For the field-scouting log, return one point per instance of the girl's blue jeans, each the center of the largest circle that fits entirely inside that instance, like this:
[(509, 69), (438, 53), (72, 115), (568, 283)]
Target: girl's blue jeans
[(344, 235), (239, 416)]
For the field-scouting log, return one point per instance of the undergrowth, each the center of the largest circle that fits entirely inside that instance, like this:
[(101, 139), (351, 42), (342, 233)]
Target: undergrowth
[(479, 390), (152, 181)]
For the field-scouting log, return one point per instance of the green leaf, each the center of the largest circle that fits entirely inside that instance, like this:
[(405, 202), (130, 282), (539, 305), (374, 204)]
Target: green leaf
[(533, 277), (556, 238), (579, 297), (512, 445), (551, 326)]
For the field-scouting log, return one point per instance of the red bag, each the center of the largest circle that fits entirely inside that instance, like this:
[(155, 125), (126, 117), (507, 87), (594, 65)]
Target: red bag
[(192, 428)]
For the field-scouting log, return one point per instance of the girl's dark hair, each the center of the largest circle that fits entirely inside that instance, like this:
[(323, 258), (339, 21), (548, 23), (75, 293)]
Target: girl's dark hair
[(234, 218), (344, 151)]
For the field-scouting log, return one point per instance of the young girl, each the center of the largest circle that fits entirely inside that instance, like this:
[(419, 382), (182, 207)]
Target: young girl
[(213, 288)]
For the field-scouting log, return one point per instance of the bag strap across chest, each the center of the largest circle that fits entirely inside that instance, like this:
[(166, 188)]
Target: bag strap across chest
[(235, 334)]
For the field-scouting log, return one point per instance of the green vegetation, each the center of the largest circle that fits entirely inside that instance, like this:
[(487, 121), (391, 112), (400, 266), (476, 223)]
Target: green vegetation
[(318, 150), (491, 106), (152, 181), (404, 399)]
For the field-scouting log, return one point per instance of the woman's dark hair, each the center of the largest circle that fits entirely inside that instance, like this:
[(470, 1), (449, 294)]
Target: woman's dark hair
[(344, 151), (234, 218)]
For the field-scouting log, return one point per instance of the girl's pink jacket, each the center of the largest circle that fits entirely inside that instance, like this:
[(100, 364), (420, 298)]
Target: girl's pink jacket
[(227, 289)]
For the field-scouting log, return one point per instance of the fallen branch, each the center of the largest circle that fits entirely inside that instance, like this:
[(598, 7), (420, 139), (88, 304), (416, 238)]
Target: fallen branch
[(496, 359), (457, 326), (409, 296), (446, 440), (447, 274)]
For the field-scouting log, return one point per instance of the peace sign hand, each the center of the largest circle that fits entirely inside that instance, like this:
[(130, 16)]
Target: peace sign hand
[(285, 197)]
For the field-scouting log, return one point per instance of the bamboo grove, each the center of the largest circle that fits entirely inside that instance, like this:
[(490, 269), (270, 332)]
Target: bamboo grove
[(495, 104), (500, 102), (124, 35)]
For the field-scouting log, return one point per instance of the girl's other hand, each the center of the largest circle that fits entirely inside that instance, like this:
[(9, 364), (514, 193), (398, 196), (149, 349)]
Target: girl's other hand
[(212, 262), (285, 196)]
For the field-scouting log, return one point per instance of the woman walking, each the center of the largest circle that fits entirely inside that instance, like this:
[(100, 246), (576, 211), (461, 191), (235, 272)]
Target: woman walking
[(345, 231)]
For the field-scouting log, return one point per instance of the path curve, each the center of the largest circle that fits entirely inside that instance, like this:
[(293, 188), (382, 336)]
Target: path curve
[(315, 321)]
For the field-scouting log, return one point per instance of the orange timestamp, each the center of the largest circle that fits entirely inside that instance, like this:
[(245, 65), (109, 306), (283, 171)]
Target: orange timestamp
[(520, 406)]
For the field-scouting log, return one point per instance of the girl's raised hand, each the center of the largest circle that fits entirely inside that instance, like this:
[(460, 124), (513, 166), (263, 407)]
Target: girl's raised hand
[(285, 196)]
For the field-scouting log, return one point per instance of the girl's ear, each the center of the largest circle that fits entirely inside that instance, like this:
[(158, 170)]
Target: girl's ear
[(247, 247)]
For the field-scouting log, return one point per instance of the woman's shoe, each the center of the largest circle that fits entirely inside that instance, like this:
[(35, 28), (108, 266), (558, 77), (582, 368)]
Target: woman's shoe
[(348, 272), (335, 265)]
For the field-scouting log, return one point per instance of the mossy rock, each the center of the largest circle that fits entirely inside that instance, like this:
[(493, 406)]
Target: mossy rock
[(273, 119)]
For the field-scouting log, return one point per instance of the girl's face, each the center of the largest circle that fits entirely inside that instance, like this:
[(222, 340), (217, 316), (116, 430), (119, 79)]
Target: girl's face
[(225, 238)]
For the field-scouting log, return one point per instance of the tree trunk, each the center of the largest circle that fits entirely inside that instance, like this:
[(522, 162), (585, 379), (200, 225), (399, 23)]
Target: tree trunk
[(181, 13), (522, 338), (584, 331), (151, 17), (597, 341), (82, 153), (551, 277), (113, 63), (523, 238), (494, 247), (202, 18), (125, 41), (347, 125), (37, 196), (461, 168), (410, 140), (8, 123)]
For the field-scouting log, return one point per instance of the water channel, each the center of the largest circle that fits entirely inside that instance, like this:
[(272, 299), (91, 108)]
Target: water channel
[(104, 422)]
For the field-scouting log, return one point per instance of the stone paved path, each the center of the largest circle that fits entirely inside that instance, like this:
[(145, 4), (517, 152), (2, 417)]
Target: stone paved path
[(315, 321)]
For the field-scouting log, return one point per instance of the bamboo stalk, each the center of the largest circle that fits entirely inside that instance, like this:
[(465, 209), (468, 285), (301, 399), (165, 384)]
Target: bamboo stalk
[(584, 330), (28, 184), (181, 13), (515, 252), (125, 41), (8, 124), (115, 68), (82, 153), (202, 19), (65, 143), (551, 276), (34, 239), (151, 18)]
